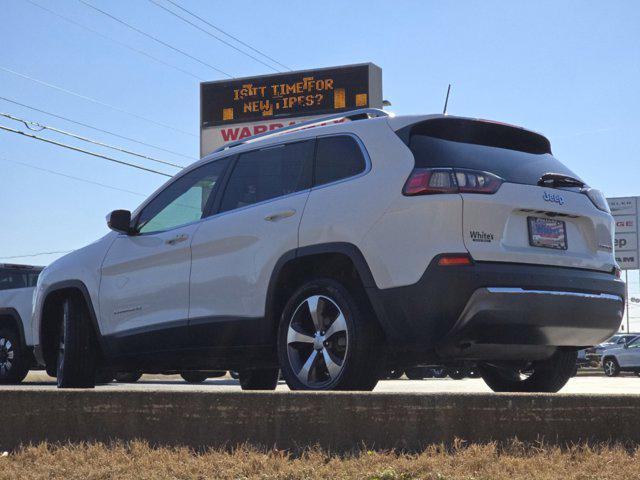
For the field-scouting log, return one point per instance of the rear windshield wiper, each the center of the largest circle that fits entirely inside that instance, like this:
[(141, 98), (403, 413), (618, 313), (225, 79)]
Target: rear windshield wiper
[(559, 180)]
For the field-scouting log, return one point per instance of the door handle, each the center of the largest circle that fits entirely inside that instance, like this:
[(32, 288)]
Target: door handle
[(274, 217), (176, 239)]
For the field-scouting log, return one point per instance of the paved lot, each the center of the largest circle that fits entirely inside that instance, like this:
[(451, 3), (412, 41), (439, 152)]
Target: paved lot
[(581, 384)]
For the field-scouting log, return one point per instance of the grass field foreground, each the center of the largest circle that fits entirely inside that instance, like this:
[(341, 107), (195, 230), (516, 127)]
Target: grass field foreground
[(138, 460)]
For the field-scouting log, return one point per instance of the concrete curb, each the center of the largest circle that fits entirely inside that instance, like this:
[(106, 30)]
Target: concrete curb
[(336, 421)]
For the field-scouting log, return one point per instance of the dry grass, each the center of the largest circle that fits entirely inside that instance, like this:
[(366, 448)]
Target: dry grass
[(138, 460)]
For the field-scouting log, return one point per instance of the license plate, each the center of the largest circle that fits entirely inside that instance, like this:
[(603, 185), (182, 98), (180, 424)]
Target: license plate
[(547, 233)]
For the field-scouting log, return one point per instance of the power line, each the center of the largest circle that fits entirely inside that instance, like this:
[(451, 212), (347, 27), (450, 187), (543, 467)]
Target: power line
[(155, 39), (36, 254), (41, 127), (118, 42), (228, 34), (86, 125), (70, 147), (212, 35), (60, 174), (93, 100)]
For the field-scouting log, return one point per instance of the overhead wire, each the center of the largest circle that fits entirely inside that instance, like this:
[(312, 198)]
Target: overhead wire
[(228, 34), (36, 254), (81, 150), (159, 5), (40, 127), (155, 39), (97, 129), (72, 177), (93, 100), (118, 42)]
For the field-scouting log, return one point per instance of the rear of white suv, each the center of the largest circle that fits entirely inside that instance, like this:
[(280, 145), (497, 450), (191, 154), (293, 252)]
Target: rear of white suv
[(329, 251)]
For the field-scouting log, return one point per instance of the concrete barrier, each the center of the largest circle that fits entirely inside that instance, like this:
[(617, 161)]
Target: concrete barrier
[(337, 421)]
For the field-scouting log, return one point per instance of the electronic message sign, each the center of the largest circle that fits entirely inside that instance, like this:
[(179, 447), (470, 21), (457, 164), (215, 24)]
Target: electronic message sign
[(237, 108)]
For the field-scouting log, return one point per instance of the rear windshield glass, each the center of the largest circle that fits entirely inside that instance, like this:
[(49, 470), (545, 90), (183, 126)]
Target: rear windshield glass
[(516, 155)]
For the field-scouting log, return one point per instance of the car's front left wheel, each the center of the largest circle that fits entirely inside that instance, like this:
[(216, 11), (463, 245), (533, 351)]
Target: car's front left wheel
[(76, 360), (328, 340)]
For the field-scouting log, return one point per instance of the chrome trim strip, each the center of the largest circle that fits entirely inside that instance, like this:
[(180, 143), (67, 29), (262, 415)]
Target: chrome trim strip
[(517, 290)]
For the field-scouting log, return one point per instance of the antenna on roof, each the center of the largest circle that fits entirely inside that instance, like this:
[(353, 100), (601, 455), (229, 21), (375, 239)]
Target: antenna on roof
[(446, 100)]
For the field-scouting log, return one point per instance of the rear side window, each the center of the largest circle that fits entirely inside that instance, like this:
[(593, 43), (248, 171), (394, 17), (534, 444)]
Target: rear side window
[(261, 175), (514, 154), (337, 158), (10, 279)]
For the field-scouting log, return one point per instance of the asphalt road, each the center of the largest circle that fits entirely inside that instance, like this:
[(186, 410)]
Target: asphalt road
[(629, 384)]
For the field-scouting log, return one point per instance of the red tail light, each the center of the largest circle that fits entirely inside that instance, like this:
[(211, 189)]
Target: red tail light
[(455, 260), (427, 181)]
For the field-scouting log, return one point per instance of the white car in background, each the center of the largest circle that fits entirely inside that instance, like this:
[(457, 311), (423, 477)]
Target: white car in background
[(622, 358), (17, 283)]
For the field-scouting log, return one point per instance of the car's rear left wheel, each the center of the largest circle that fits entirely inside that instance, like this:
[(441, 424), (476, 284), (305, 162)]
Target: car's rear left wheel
[(327, 340), (548, 375), (611, 367)]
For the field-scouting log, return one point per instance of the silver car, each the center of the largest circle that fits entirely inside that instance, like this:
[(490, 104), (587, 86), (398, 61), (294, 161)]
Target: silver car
[(625, 358)]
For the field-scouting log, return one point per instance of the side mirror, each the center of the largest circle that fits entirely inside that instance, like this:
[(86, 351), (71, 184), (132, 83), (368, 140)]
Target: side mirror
[(120, 221)]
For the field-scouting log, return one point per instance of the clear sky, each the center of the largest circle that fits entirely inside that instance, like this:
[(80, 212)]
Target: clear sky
[(569, 69)]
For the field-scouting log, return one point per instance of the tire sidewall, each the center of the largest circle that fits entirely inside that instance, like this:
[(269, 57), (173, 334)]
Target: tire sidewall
[(341, 296), (19, 366)]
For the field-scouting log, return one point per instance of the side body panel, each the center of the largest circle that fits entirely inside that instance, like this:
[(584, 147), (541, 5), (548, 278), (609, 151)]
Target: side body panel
[(18, 303), (234, 254)]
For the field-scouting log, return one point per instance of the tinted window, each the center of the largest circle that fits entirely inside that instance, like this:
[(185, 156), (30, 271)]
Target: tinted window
[(337, 158), (10, 279), (183, 201), (516, 155), (261, 175)]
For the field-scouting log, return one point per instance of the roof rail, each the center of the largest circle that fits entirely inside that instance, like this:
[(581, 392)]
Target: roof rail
[(360, 114)]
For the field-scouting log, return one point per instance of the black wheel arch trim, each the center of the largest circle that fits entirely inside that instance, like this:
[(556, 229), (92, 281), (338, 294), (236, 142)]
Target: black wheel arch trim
[(13, 314), (84, 291), (349, 250)]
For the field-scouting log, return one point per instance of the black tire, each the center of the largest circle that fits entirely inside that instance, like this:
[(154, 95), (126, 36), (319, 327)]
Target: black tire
[(130, 377), (104, 376), (348, 358), (543, 376), (473, 373), (194, 377), (417, 373), (611, 367), (234, 374), (457, 373), (14, 357), (77, 347), (263, 379)]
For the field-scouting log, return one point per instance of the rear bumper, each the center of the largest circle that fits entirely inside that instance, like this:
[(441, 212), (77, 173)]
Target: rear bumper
[(498, 311)]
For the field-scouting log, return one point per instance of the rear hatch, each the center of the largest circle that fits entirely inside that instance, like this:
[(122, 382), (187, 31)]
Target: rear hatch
[(536, 212)]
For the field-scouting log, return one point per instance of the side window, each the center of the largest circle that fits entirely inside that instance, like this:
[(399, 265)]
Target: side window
[(337, 158), (183, 201), (11, 279), (261, 175)]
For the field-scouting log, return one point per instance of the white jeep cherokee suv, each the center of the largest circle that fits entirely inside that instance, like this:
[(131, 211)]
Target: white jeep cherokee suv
[(332, 252)]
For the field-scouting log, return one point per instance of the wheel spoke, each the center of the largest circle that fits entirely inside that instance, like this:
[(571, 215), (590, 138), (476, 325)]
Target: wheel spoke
[(8, 345), (2, 342), (294, 336), (338, 325), (332, 367), (10, 354), (312, 303), (304, 372)]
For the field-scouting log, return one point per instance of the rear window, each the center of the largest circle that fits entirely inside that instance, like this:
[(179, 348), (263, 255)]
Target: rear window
[(516, 155)]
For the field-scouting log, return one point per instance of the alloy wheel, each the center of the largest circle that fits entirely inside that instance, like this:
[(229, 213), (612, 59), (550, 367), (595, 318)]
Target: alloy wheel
[(317, 341), (7, 355), (609, 368)]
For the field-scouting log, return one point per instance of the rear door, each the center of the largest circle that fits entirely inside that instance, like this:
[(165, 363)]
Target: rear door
[(236, 249), (521, 222)]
